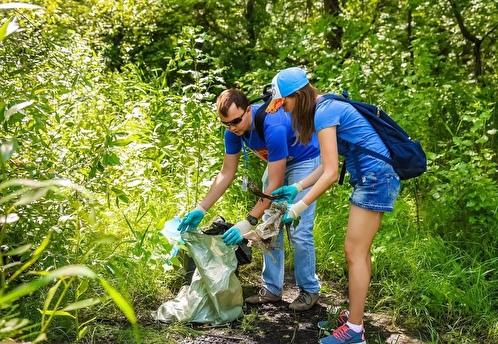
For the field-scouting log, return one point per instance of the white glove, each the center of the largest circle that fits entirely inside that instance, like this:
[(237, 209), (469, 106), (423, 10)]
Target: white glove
[(294, 211)]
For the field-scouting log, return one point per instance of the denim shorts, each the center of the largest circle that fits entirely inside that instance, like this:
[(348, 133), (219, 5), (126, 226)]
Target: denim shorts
[(379, 191)]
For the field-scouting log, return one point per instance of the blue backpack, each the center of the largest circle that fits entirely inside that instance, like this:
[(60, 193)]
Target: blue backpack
[(407, 156)]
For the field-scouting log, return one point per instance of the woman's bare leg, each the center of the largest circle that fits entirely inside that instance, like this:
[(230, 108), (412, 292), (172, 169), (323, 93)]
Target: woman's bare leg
[(362, 227)]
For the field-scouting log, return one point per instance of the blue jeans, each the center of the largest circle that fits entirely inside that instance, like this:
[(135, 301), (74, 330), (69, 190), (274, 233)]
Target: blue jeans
[(301, 238)]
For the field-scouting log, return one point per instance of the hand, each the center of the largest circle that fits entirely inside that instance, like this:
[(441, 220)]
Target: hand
[(233, 236), (287, 193), (294, 211), (192, 220)]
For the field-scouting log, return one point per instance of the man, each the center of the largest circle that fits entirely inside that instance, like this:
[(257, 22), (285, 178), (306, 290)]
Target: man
[(288, 162)]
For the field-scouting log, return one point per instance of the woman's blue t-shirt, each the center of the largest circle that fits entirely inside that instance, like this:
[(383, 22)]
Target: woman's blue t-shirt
[(354, 128), (280, 140)]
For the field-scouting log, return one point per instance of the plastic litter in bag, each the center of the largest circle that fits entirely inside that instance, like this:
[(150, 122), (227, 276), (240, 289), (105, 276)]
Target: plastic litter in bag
[(171, 232)]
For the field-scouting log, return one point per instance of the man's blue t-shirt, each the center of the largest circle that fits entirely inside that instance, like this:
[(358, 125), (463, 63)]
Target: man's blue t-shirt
[(280, 140), (354, 128)]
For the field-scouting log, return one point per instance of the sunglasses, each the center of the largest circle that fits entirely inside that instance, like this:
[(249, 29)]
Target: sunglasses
[(235, 121)]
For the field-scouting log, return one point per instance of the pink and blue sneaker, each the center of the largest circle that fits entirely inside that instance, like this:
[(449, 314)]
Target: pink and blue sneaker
[(344, 335)]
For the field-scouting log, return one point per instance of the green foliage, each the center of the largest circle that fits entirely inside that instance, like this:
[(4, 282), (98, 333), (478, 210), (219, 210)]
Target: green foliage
[(118, 98), (19, 262)]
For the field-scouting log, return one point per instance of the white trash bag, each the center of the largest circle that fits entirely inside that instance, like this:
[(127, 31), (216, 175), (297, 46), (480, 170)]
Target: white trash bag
[(215, 295)]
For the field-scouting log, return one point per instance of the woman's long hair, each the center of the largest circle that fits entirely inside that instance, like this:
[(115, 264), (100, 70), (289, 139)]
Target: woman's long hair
[(303, 115)]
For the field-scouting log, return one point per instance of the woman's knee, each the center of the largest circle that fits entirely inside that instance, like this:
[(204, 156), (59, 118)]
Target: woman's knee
[(356, 253)]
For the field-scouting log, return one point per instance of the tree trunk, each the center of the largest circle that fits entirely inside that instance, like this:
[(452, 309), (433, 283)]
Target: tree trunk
[(334, 38)]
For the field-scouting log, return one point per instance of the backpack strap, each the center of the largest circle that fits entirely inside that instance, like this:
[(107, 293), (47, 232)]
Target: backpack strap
[(259, 117), (259, 120), (356, 153), (343, 173)]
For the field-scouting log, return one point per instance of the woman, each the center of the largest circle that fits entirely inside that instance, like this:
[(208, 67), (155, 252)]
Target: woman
[(374, 194)]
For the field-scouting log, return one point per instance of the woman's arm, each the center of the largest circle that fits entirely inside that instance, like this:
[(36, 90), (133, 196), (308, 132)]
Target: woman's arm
[(327, 139)]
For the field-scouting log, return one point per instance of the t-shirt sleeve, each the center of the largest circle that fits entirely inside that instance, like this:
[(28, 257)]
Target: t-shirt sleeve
[(327, 115), (233, 143), (276, 137)]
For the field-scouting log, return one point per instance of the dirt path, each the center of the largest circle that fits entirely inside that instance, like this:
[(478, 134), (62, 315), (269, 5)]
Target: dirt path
[(276, 323)]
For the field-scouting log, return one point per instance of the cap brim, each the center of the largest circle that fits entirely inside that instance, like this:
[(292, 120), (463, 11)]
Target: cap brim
[(274, 105)]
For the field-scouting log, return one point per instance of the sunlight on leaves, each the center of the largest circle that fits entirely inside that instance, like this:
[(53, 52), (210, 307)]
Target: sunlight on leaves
[(18, 251), (17, 108), (66, 314), (14, 5), (10, 218), (120, 301), (7, 149)]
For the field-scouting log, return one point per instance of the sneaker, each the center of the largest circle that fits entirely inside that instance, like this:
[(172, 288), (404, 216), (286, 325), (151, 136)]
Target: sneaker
[(344, 335), (304, 301), (327, 325), (263, 296)]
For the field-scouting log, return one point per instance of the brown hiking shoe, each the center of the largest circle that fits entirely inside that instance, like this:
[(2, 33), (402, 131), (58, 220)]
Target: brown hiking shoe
[(304, 301), (263, 296)]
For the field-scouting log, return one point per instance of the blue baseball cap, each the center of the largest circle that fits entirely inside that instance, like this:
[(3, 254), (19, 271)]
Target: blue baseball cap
[(285, 83)]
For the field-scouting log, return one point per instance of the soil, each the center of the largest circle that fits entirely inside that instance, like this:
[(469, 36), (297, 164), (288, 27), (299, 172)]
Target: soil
[(275, 323)]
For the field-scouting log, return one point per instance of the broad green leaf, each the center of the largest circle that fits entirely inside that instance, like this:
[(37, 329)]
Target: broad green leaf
[(72, 270), (23, 290), (104, 239), (50, 296), (8, 149), (6, 28), (28, 288), (84, 303), (82, 288), (120, 194), (10, 265), (111, 159), (125, 141), (41, 338), (33, 258), (13, 324), (17, 108), (120, 301), (40, 184), (32, 196), (82, 332), (18, 251), (66, 314)]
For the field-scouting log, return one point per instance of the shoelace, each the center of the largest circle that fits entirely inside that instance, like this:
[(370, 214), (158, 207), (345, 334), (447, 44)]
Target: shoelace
[(303, 297), (341, 333)]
